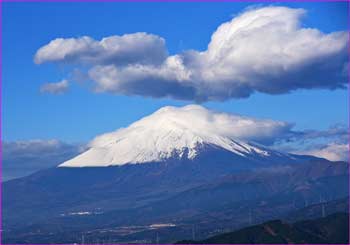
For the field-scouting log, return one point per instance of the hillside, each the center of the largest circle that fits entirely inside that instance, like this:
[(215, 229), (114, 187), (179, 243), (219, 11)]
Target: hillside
[(331, 229)]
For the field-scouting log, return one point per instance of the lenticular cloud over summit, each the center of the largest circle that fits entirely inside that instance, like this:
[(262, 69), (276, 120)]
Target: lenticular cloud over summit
[(179, 130), (263, 50), (200, 120)]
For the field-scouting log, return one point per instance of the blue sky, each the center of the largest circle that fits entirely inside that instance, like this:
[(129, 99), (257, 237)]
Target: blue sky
[(79, 114)]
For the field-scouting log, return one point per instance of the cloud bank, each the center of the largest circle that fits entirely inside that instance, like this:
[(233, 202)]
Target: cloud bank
[(263, 50), (331, 151), (55, 88), (21, 158), (331, 143)]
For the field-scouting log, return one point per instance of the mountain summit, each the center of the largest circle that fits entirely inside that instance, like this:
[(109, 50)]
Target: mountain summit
[(179, 133)]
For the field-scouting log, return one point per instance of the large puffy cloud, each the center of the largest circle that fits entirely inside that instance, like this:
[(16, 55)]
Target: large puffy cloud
[(265, 50), (55, 88), (21, 158)]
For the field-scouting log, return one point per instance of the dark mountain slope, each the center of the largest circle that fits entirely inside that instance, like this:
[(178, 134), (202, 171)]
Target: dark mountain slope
[(225, 202), (51, 192), (331, 229)]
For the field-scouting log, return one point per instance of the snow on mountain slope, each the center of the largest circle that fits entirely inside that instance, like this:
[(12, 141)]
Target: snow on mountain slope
[(179, 132)]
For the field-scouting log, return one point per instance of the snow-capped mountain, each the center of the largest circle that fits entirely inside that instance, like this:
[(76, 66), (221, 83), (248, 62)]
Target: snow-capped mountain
[(181, 133), (179, 165)]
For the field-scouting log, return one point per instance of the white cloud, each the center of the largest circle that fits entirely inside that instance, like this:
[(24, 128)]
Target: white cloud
[(155, 81), (265, 50), (55, 88), (331, 151), (139, 47)]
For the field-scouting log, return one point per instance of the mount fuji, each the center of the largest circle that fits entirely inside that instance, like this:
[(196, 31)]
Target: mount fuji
[(174, 168), (183, 134)]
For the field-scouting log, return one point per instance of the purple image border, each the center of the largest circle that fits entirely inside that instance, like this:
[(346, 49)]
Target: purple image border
[(183, 1)]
